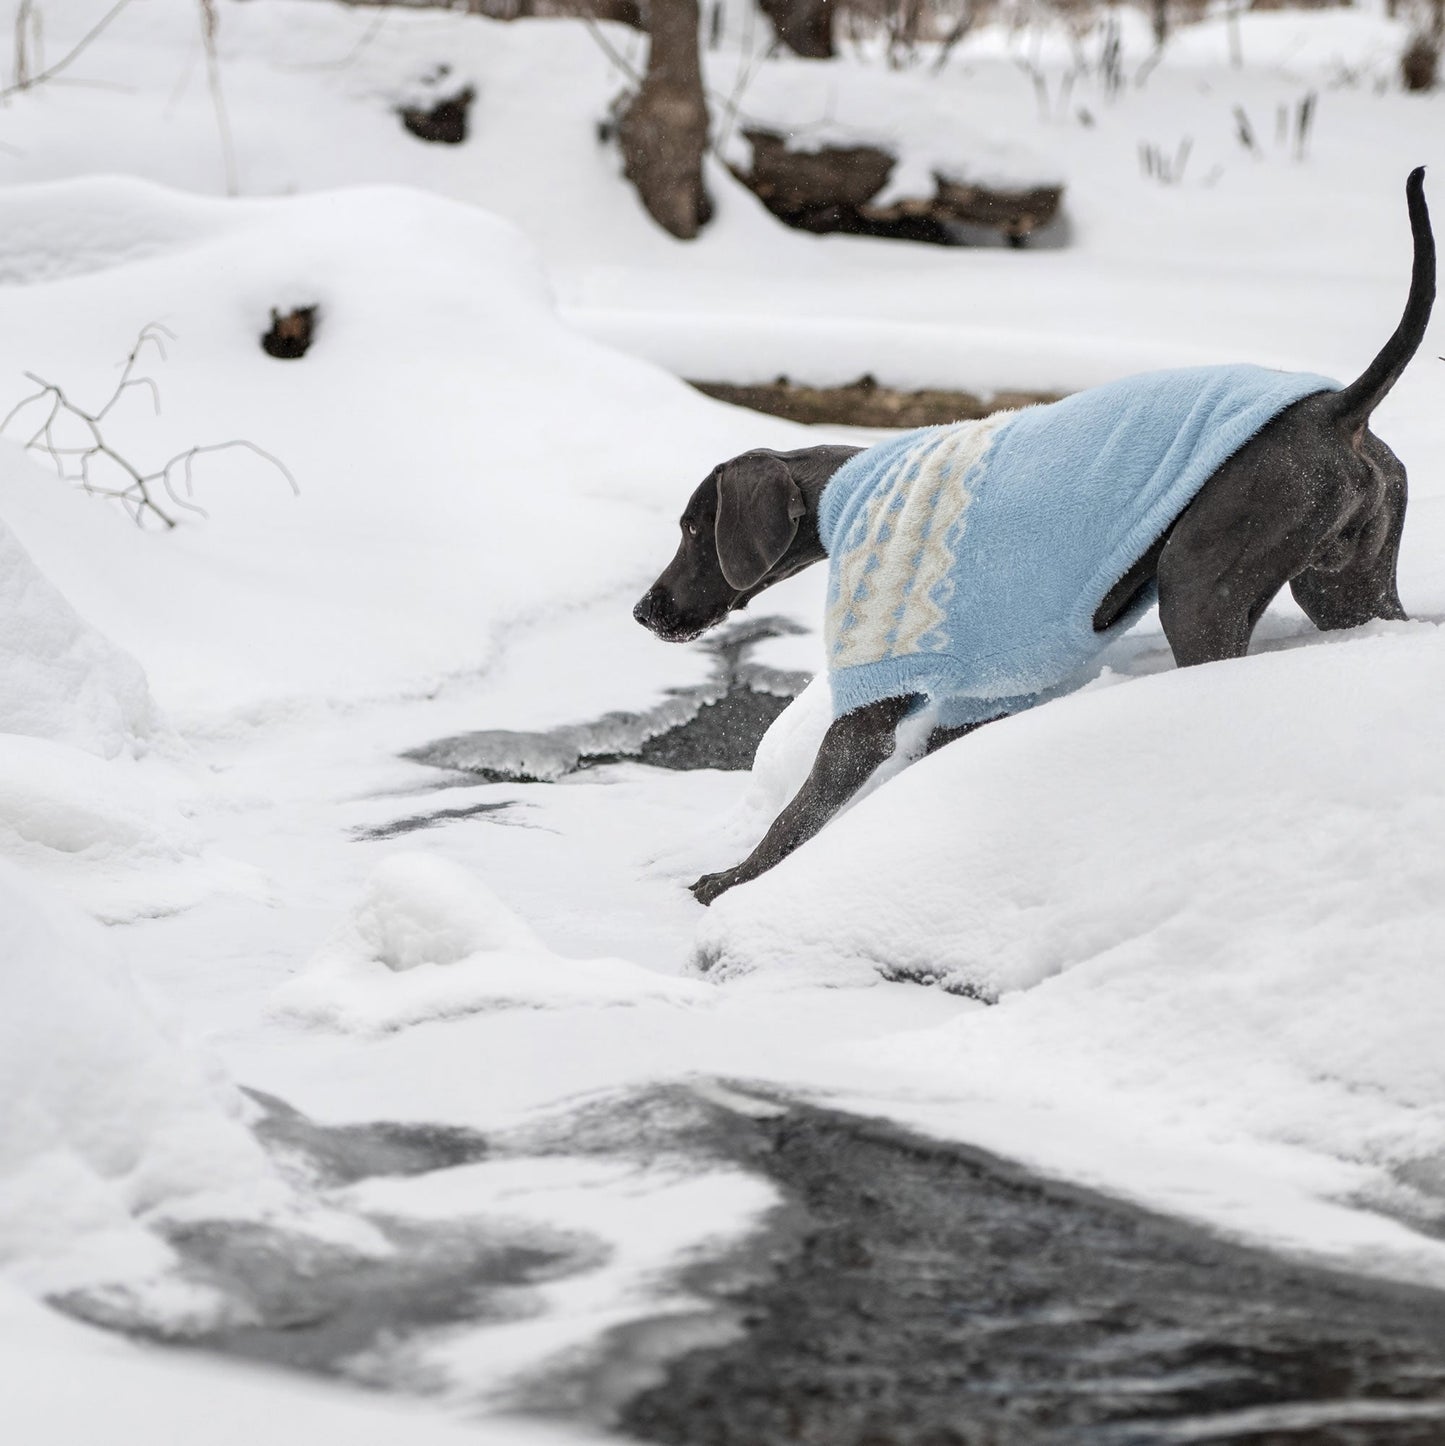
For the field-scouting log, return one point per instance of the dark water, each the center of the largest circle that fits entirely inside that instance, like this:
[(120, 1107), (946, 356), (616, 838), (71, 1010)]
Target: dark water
[(913, 1293), (716, 724)]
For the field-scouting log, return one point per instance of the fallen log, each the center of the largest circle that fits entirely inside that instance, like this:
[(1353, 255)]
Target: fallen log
[(832, 189)]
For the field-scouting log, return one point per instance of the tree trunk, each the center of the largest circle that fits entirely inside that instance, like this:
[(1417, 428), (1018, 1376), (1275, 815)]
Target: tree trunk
[(663, 132), (804, 26), (1160, 9)]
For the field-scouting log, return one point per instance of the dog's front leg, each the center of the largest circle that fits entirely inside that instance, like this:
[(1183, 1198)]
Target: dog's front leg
[(852, 749)]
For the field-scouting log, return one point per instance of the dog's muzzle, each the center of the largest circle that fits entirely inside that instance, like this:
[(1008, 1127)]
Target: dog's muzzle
[(657, 612), (646, 611)]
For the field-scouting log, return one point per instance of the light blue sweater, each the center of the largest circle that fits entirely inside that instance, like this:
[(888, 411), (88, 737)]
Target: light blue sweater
[(966, 562)]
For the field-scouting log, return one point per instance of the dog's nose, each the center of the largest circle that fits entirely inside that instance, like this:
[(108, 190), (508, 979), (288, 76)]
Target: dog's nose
[(643, 611)]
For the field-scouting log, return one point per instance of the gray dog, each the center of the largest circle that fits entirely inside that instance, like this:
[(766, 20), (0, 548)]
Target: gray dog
[(980, 567)]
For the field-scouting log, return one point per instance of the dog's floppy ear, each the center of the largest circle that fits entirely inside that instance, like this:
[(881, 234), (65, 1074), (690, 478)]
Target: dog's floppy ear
[(758, 510)]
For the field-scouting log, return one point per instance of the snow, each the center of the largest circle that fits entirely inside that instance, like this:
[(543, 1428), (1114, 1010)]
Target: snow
[(57, 1374), (60, 679), (673, 1215), (1125, 810), (109, 1115), (368, 426), (1204, 901), (459, 949), (1201, 897), (859, 104)]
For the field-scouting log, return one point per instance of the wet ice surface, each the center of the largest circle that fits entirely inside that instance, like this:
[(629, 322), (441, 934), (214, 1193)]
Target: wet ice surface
[(716, 724), (347, 1306)]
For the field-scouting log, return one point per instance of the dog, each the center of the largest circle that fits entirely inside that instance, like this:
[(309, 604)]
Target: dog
[(926, 603)]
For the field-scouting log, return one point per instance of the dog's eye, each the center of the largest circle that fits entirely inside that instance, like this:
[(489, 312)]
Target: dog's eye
[(690, 528)]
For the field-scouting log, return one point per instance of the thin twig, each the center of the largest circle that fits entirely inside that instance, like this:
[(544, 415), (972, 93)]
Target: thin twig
[(373, 29), (210, 24), (961, 26), (584, 12), (74, 53), (76, 463)]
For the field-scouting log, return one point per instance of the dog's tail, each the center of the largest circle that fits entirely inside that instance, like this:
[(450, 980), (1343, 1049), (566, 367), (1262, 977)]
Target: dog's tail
[(1354, 404)]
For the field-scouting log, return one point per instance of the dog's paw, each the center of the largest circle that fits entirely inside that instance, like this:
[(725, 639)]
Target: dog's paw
[(710, 886)]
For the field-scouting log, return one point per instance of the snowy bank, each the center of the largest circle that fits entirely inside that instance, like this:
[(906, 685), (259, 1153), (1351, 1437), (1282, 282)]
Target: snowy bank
[(1208, 902), (60, 679), (465, 462), (108, 1117)]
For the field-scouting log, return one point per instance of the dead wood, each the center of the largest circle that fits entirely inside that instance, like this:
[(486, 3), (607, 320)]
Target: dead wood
[(867, 403), (663, 131), (833, 188), (804, 26)]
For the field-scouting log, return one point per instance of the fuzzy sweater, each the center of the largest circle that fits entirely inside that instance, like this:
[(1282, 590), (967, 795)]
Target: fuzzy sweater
[(966, 562)]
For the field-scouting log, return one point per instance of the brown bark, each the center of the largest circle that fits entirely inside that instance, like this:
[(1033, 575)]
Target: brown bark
[(867, 403), (663, 132), (804, 26), (832, 189)]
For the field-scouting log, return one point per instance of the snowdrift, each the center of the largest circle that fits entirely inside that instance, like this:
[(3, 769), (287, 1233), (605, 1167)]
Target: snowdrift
[(60, 679), (97, 794), (1210, 895), (464, 461), (107, 1116), (431, 941)]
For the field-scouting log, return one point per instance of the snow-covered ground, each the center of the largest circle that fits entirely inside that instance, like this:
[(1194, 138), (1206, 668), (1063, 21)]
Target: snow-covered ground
[(1208, 902)]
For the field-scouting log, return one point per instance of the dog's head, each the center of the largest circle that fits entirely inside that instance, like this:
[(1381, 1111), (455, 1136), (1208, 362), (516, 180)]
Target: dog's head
[(747, 526)]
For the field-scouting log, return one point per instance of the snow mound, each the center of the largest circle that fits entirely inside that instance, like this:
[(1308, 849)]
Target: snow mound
[(107, 1116), (60, 679), (430, 941), (1208, 896), (59, 799), (1046, 840), (424, 428), (60, 230)]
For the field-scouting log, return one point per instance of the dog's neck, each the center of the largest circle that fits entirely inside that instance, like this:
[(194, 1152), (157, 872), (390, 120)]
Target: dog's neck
[(812, 469)]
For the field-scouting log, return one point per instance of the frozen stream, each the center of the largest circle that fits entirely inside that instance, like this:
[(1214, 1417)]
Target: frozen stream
[(595, 1215)]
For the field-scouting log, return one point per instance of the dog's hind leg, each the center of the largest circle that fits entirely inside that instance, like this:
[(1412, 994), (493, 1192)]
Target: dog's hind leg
[(1260, 520), (1353, 581), (852, 750), (1217, 575)]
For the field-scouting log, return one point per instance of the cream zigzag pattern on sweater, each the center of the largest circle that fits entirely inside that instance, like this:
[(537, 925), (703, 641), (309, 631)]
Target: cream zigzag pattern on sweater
[(893, 583)]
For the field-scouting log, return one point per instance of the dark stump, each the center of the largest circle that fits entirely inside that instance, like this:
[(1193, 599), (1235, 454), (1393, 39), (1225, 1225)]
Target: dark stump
[(445, 123), (290, 335)]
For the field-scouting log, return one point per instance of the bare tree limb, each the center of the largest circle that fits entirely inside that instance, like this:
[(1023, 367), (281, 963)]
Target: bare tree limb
[(210, 25), (29, 82), (136, 490)]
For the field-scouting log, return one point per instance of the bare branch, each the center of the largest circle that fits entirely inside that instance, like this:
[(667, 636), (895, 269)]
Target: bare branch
[(210, 25), (24, 82), (372, 30), (584, 12), (76, 464)]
